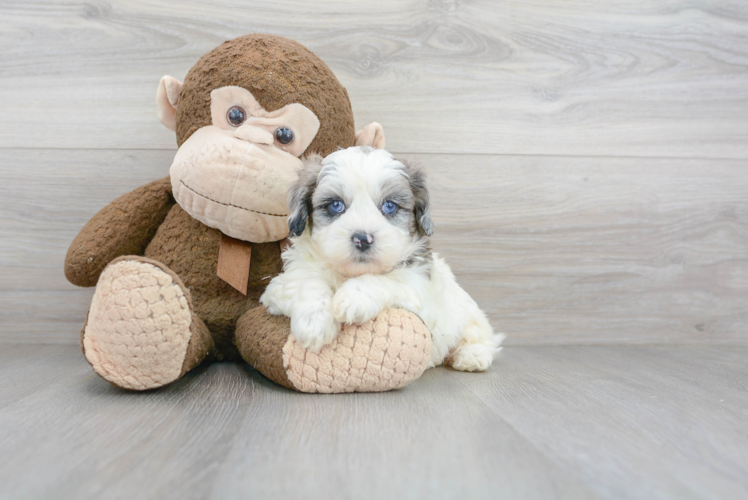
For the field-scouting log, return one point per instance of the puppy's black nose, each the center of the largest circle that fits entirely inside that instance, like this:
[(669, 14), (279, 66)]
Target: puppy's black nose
[(362, 241)]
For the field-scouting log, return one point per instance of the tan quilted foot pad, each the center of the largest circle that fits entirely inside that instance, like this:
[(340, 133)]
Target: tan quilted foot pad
[(138, 326), (386, 353)]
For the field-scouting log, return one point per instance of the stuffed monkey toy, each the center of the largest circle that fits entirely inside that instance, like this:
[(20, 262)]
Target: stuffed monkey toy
[(179, 264)]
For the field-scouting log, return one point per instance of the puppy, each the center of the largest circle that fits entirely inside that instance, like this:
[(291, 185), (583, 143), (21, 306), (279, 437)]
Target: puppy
[(360, 224)]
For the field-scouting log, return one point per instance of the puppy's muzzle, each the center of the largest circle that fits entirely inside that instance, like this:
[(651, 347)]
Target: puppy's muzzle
[(362, 241)]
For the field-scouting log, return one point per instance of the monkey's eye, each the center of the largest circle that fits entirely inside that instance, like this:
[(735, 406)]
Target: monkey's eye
[(389, 207), (284, 135), (236, 116), (336, 207)]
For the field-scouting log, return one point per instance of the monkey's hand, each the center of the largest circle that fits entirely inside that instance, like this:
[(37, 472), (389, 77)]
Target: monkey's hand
[(124, 227)]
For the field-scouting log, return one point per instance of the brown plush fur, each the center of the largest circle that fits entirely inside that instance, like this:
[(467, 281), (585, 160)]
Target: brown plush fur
[(190, 249), (201, 345), (148, 222), (260, 338), (185, 246), (277, 71), (148, 225), (124, 227)]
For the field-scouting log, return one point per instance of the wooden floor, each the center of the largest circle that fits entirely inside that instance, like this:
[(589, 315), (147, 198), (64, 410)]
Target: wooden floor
[(545, 422), (588, 166)]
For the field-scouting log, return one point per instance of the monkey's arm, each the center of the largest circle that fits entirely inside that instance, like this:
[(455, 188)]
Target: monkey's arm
[(124, 227)]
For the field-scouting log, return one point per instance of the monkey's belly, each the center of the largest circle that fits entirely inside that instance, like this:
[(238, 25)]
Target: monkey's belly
[(190, 249)]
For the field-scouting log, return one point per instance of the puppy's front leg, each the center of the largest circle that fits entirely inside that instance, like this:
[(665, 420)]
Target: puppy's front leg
[(312, 322), (307, 302), (360, 299)]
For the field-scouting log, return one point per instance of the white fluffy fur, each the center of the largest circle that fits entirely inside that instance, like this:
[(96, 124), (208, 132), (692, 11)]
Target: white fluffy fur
[(326, 280)]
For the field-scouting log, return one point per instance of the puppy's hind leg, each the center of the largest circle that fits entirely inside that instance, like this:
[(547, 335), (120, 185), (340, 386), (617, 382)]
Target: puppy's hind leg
[(477, 347)]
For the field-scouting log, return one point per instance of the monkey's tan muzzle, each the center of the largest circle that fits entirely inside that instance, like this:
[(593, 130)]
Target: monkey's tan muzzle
[(234, 185)]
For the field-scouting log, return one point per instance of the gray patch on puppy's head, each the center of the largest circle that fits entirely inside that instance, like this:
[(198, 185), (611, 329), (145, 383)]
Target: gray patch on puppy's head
[(421, 205), (299, 197)]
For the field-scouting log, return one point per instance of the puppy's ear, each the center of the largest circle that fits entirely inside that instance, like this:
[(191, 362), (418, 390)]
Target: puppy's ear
[(421, 206), (300, 195)]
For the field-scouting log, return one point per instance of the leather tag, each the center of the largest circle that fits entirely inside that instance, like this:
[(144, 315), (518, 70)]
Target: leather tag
[(234, 257)]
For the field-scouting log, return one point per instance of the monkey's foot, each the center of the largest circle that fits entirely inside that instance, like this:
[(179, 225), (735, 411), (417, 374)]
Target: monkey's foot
[(139, 325), (385, 353)]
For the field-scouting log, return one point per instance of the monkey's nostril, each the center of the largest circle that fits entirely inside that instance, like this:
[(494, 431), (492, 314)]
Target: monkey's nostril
[(362, 241)]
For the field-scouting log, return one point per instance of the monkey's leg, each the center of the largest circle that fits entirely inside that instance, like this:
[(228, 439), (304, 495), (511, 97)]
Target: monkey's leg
[(386, 353), (141, 332)]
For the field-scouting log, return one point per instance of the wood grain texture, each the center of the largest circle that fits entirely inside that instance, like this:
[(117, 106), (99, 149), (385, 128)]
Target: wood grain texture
[(46, 196), (556, 250), (589, 183), (634, 422), (545, 422), (578, 77), (596, 250)]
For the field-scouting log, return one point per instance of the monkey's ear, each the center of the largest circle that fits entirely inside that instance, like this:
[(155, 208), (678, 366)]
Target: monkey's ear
[(371, 135), (167, 98), (300, 195)]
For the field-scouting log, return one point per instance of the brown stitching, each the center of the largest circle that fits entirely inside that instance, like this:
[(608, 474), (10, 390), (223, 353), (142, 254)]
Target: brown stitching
[(229, 204)]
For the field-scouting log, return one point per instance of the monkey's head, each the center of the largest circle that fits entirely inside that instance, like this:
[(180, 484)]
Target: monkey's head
[(245, 114)]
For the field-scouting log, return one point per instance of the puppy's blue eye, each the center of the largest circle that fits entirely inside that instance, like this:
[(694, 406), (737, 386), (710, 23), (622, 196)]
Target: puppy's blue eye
[(337, 207), (389, 207)]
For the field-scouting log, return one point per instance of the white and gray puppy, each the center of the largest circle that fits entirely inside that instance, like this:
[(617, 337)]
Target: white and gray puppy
[(360, 224)]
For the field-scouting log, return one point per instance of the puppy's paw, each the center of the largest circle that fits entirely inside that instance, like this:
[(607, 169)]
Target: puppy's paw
[(355, 303), (274, 310), (314, 329), (272, 301), (472, 357)]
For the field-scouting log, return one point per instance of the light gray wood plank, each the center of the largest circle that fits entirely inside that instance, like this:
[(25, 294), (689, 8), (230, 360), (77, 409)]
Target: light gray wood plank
[(549, 77), (27, 368), (598, 250), (430, 440), (556, 250), (80, 437), (46, 197), (654, 423), (633, 422), (544, 422)]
